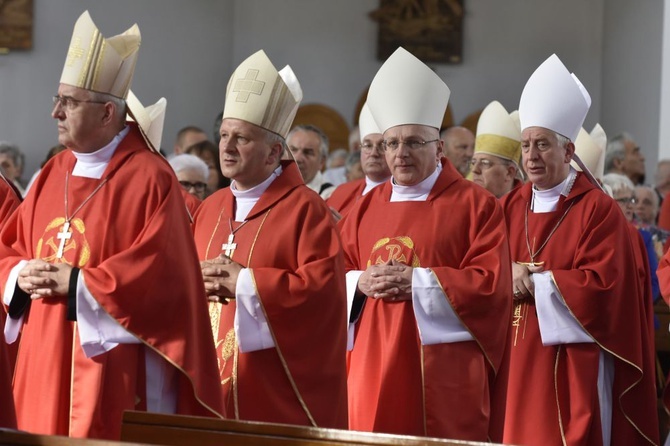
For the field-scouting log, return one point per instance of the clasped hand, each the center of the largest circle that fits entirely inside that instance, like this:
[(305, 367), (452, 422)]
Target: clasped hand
[(523, 286), (391, 280), (220, 277), (42, 279)]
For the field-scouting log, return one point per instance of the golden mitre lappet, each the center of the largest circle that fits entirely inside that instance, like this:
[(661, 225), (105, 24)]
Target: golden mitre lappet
[(99, 64), (259, 94), (498, 133)]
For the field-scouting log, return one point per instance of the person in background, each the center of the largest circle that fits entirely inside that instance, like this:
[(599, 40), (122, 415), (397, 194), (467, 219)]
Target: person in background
[(459, 146), (209, 153)]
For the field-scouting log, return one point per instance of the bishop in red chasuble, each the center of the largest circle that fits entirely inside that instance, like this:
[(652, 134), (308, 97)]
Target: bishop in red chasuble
[(272, 265), (578, 368), (10, 201), (427, 276), (131, 243)]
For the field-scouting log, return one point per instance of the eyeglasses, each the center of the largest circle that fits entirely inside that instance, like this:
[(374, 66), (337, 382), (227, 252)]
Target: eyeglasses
[(198, 186), (626, 200), (368, 147), (483, 163), (69, 102), (412, 144)]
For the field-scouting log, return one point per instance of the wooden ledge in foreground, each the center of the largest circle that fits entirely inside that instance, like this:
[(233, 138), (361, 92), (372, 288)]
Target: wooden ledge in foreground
[(177, 430)]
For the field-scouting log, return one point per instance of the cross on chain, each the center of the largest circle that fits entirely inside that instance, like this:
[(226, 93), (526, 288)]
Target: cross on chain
[(63, 236), (229, 247), (248, 85)]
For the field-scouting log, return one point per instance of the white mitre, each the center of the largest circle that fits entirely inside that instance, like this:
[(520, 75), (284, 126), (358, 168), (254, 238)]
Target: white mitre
[(99, 64), (554, 99), (407, 91), (366, 123)]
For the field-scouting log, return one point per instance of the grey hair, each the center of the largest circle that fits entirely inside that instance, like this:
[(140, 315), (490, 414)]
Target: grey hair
[(654, 196), (561, 140), (314, 129), (616, 149), (119, 103), (12, 150), (339, 153), (188, 161), (352, 159), (618, 182)]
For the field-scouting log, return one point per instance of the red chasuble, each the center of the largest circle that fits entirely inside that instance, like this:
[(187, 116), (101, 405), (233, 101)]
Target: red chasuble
[(10, 201), (664, 284), (552, 395), (132, 243), (294, 253), (345, 195), (191, 202), (396, 385)]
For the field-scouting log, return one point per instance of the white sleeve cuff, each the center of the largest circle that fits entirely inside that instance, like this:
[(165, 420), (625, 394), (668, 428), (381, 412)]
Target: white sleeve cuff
[(12, 326), (251, 327), (352, 285), (98, 331), (557, 325), (435, 318)]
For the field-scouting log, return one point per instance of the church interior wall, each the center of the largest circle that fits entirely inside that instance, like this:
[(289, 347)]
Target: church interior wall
[(190, 48)]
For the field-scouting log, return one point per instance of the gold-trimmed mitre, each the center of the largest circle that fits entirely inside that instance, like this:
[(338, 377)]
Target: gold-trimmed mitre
[(257, 93), (498, 134), (98, 64)]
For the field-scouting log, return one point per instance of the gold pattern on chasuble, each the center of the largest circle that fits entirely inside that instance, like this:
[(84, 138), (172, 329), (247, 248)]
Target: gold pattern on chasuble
[(400, 249), (225, 348), (519, 320), (76, 252)]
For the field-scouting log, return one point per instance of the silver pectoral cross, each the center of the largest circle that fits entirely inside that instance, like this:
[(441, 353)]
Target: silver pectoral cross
[(63, 236), (229, 247)]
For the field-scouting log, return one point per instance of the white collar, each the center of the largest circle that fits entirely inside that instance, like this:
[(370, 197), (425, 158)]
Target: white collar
[(316, 182), (247, 199), (547, 200), (93, 165), (417, 192), (369, 184)]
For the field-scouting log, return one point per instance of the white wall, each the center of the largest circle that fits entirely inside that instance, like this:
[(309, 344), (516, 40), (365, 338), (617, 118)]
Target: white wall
[(189, 50), (631, 81), (664, 121)]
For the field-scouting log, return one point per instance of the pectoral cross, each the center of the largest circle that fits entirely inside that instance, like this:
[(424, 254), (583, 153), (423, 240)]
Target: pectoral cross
[(229, 247), (63, 236)]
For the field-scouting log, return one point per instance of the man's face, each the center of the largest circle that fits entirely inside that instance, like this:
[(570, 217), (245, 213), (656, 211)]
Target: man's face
[(306, 149), (188, 139), (78, 122), (193, 182), (411, 166), (493, 173), (633, 161), (645, 208), (8, 167), (459, 146), (373, 161), (625, 199), (245, 155), (545, 162)]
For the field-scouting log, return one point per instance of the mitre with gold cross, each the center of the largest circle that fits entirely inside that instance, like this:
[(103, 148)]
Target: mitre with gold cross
[(96, 63), (257, 93)]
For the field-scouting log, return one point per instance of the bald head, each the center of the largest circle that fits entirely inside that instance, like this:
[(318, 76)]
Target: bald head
[(459, 146)]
